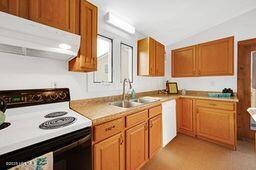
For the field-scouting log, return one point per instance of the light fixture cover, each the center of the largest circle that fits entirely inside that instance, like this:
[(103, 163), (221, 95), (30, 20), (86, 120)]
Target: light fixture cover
[(119, 23)]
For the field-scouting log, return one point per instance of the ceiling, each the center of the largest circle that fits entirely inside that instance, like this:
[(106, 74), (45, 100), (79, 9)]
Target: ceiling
[(170, 21)]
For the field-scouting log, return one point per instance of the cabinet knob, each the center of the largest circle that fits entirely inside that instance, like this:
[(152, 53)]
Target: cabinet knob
[(121, 140)]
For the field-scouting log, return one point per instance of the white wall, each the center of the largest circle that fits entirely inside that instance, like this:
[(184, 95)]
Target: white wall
[(19, 72), (242, 27)]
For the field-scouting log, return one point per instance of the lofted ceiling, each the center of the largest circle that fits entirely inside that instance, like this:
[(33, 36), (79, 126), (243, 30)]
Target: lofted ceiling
[(170, 21)]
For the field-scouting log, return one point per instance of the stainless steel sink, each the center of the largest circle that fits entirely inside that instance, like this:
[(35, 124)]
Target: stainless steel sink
[(145, 100), (126, 104)]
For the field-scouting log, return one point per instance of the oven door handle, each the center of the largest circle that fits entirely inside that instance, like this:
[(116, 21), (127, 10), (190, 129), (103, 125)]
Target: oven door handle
[(72, 145)]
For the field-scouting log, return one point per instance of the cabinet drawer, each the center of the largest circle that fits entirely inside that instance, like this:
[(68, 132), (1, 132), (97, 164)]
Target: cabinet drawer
[(136, 118), (108, 129), (216, 104), (155, 111)]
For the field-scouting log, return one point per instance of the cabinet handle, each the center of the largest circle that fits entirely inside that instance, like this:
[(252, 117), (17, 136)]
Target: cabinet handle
[(151, 124), (110, 128), (212, 104), (146, 126), (121, 140)]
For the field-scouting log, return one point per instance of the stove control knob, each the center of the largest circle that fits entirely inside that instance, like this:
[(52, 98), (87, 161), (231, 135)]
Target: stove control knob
[(62, 95), (36, 98), (54, 96)]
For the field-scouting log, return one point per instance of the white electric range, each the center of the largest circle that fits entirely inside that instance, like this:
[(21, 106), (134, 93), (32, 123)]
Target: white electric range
[(37, 116)]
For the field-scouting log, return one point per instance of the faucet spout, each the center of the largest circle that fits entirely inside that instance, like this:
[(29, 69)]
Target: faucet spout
[(124, 84)]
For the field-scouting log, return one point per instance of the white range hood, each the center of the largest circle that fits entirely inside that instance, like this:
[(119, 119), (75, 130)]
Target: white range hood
[(24, 37)]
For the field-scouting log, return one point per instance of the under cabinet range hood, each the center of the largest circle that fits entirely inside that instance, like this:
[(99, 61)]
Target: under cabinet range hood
[(24, 37)]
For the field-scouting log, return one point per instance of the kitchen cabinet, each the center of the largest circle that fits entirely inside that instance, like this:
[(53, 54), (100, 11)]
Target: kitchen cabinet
[(186, 118), (86, 61), (155, 135), (184, 62), (215, 58), (216, 121), (160, 59), (61, 14), (110, 153), (151, 57), (137, 146), (15, 7)]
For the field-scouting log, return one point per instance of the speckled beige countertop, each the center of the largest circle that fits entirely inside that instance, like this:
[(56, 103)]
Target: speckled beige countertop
[(99, 110)]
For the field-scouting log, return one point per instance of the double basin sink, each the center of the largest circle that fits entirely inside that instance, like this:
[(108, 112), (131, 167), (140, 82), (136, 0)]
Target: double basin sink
[(134, 102)]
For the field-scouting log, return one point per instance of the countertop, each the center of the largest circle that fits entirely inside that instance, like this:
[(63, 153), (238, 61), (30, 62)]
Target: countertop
[(100, 110)]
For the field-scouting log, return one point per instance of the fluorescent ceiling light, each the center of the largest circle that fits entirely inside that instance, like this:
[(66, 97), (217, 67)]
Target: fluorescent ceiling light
[(119, 23)]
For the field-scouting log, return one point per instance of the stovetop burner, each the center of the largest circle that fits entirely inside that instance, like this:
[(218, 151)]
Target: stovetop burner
[(55, 114), (57, 123), (4, 125)]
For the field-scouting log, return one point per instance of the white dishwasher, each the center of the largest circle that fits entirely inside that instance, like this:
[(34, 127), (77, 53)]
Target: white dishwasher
[(169, 121)]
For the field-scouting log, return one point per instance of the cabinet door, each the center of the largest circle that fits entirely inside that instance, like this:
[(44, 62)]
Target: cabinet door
[(109, 154), (184, 62), (186, 117), (218, 125), (61, 14), (136, 146), (216, 57), (160, 59), (152, 57), (155, 135), (86, 61), (15, 7)]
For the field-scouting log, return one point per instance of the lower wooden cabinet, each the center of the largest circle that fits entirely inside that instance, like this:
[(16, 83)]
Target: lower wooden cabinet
[(110, 153), (186, 123), (210, 120), (136, 146), (155, 135), (128, 142), (217, 125)]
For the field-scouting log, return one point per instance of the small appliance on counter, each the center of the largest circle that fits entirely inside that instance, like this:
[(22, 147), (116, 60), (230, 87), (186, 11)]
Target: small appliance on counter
[(41, 122)]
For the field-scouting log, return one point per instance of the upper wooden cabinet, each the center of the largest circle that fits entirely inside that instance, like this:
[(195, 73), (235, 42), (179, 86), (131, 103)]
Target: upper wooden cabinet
[(151, 57), (61, 14), (160, 59), (15, 7), (215, 58), (184, 62), (86, 61)]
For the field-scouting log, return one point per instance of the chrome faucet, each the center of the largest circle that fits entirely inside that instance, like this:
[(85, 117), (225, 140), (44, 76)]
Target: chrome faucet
[(130, 86)]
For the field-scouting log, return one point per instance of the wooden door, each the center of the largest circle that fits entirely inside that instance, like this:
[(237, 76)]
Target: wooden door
[(86, 61), (15, 7), (61, 14), (186, 117), (155, 135), (245, 49), (109, 154), (136, 146), (160, 59), (218, 125), (184, 62), (216, 57)]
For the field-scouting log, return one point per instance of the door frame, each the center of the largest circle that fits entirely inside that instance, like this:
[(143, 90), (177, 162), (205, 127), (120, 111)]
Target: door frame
[(245, 48)]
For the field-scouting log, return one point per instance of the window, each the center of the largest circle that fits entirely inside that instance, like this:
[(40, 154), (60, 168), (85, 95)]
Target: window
[(126, 61), (104, 71)]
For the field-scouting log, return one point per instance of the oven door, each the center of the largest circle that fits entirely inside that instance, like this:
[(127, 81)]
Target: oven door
[(75, 156), (70, 152)]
